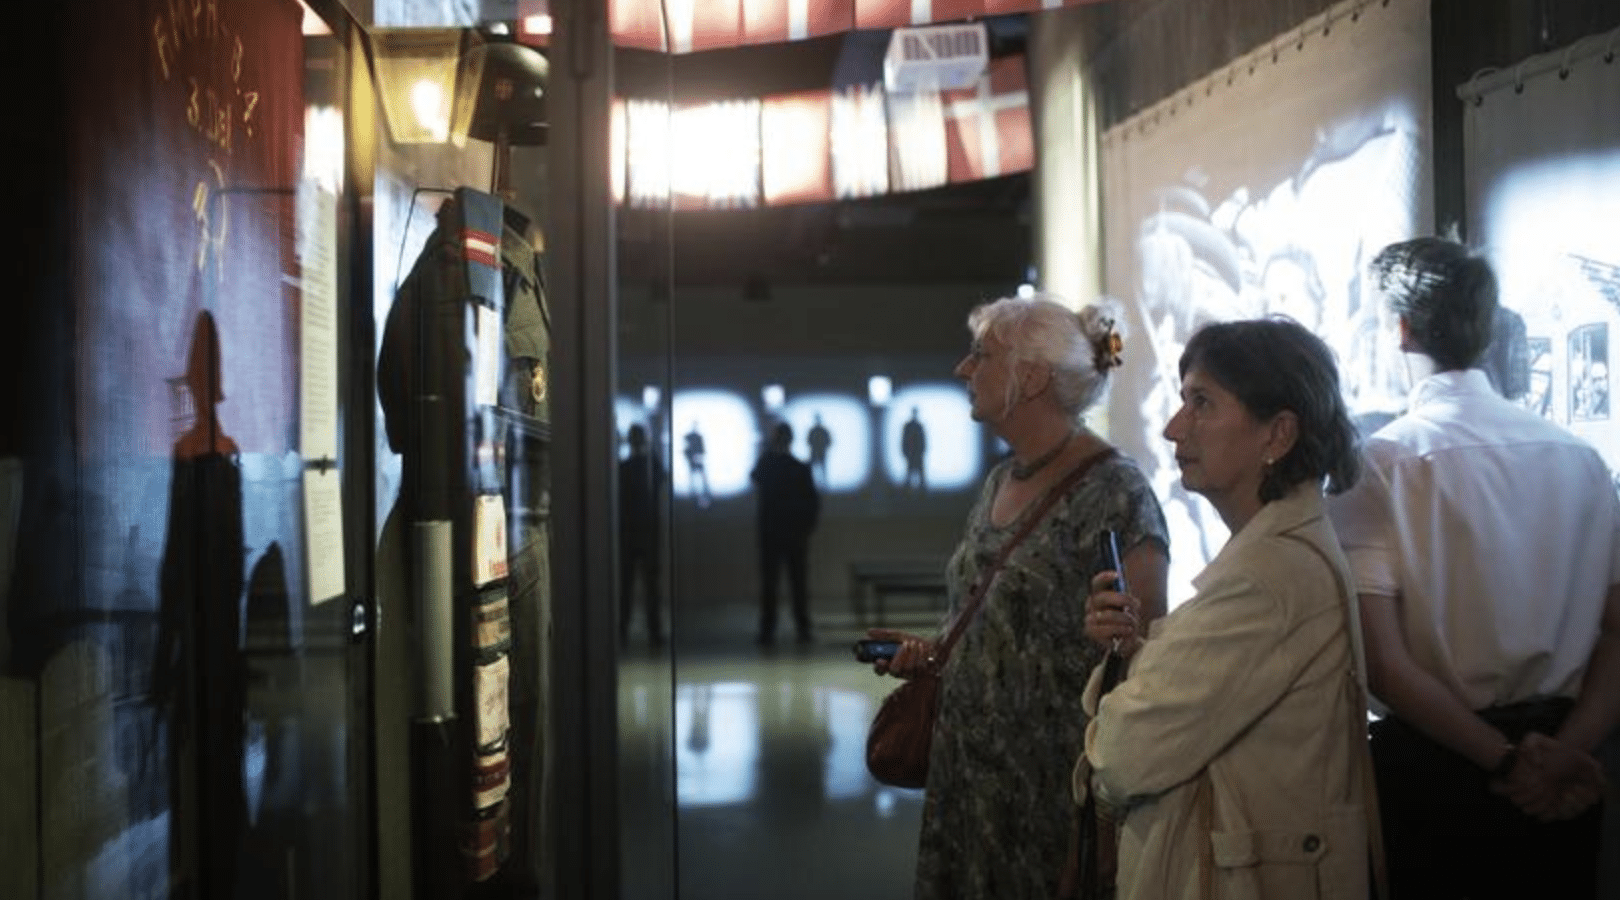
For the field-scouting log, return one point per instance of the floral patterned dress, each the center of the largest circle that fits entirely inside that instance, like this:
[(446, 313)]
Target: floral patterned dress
[(996, 818)]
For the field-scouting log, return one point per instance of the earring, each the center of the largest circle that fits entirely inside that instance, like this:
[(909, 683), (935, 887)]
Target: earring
[(1268, 462)]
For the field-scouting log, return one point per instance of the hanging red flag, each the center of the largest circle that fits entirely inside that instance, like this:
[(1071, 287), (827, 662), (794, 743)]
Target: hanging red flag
[(772, 21), (987, 128), (897, 13)]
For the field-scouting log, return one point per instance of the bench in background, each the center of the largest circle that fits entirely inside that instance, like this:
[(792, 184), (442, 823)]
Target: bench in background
[(873, 582)]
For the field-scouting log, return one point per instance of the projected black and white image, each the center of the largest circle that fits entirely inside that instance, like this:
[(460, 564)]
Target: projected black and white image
[(1264, 190), (1217, 247), (1538, 397), (1548, 232), (917, 439), (1589, 373)]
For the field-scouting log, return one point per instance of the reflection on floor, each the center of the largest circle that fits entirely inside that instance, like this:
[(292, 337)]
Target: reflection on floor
[(765, 751)]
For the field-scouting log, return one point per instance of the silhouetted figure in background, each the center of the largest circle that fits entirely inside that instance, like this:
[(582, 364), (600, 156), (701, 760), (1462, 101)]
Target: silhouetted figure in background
[(641, 479), (914, 446), (819, 440), (694, 466), (788, 508), (277, 816), (199, 673)]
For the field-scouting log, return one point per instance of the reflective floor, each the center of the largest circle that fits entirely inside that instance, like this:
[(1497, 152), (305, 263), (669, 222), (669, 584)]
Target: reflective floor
[(764, 749)]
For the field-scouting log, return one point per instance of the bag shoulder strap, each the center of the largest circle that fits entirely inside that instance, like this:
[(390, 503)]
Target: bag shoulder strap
[(1358, 727), (982, 587)]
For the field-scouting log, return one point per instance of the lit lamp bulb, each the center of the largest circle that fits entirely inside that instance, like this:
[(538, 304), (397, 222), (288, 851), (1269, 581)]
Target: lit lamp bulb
[(431, 108)]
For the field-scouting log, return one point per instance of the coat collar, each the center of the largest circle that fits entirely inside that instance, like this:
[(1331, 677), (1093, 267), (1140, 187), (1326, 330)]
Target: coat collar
[(1300, 507)]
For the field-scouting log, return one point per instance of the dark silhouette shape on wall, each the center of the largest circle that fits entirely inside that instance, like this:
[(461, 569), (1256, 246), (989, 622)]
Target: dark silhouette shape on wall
[(699, 475), (788, 508), (199, 673), (820, 440), (641, 482), (914, 447)]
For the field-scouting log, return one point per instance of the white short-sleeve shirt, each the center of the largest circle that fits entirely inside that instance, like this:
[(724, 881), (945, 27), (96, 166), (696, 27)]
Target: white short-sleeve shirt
[(1497, 532)]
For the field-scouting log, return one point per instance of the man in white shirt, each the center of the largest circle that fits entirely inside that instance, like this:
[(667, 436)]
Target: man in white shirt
[(1485, 543)]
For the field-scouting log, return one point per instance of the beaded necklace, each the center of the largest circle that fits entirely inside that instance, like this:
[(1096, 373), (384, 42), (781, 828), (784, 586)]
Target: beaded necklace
[(1026, 471)]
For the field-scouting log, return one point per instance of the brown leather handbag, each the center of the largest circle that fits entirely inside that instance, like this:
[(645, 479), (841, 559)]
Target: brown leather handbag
[(902, 732)]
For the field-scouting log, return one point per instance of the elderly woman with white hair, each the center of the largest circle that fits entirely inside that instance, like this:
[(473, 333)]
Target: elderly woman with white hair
[(997, 816)]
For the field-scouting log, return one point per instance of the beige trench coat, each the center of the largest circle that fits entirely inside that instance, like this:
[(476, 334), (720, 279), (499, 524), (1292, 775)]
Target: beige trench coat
[(1235, 749)]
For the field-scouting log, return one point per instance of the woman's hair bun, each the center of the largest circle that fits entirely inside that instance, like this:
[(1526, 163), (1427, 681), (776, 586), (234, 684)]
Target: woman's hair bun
[(1099, 323)]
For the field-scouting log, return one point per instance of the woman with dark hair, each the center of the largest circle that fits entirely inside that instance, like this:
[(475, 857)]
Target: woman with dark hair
[(1233, 753)]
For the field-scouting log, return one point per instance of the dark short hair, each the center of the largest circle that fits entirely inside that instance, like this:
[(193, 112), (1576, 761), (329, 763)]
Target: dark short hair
[(1276, 364), (1446, 294), (782, 435)]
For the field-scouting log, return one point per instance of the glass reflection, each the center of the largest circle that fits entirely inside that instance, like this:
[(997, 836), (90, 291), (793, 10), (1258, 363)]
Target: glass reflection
[(769, 740), (836, 433), (716, 431), (928, 441), (765, 758)]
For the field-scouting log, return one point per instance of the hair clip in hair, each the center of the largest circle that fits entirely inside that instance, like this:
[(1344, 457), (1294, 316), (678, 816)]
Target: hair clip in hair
[(1108, 347)]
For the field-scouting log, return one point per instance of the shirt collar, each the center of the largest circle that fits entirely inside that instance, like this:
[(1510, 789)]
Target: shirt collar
[(1454, 384)]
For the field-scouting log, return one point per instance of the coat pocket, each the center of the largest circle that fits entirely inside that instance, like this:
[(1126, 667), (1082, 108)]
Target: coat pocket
[(1328, 861)]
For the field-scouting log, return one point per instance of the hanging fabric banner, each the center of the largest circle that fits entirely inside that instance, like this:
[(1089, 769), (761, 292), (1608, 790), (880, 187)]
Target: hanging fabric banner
[(1542, 158), (987, 127), (712, 24), (1263, 189)]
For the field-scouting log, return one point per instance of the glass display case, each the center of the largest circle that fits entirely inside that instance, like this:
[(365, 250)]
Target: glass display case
[(183, 651)]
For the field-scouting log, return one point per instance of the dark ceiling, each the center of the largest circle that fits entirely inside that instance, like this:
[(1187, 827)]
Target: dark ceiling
[(967, 233)]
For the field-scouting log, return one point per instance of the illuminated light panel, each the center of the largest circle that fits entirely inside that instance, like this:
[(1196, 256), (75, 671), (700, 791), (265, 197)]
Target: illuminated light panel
[(730, 433), (647, 153), (916, 141), (953, 459), (715, 154), (796, 148), (617, 137), (773, 397), (860, 142), (849, 426), (431, 106), (323, 147)]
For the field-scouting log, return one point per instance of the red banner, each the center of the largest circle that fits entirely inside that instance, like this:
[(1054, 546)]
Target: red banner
[(773, 21), (712, 24), (987, 128), (816, 146)]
